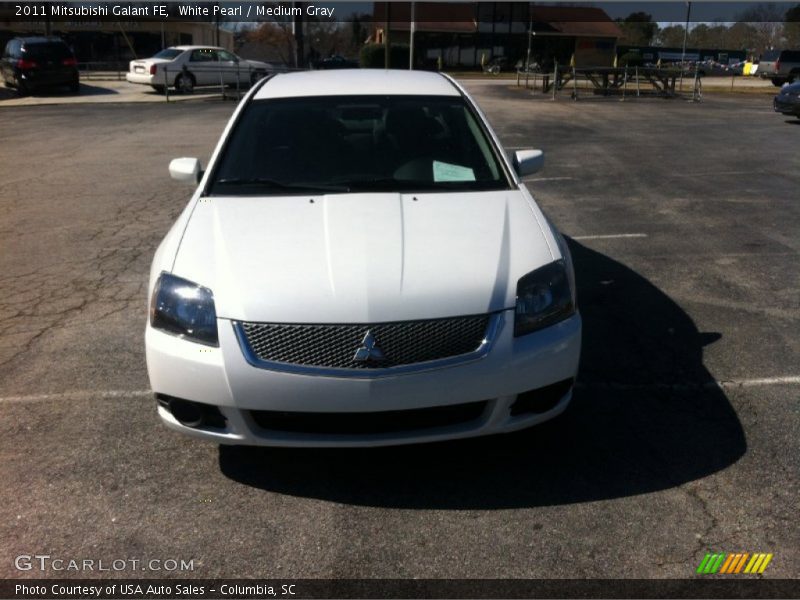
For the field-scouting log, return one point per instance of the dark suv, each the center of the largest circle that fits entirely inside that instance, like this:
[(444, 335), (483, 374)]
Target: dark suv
[(33, 63)]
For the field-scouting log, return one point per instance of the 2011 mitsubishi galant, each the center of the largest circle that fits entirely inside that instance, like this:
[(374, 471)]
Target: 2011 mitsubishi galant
[(360, 265)]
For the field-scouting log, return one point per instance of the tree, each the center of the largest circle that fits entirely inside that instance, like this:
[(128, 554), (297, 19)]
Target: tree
[(638, 29), (276, 35), (791, 27), (741, 36), (671, 36), (767, 23)]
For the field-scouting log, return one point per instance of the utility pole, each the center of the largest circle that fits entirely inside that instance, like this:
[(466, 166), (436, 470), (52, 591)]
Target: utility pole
[(297, 26), (530, 36), (386, 46), (411, 40), (685, 37)]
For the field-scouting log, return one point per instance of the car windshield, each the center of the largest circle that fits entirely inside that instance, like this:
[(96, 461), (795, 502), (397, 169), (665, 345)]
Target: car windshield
[(168, 53), (358, 144)]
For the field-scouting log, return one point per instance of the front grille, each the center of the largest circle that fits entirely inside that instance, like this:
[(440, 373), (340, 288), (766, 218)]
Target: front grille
[(368, 423), (395, 344)]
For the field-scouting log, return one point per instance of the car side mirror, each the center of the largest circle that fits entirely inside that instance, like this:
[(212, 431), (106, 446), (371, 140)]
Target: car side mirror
[(528, 162), (186, 170)]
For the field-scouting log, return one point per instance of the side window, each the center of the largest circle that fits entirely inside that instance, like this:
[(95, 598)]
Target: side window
[(227, 56), (204, 55)]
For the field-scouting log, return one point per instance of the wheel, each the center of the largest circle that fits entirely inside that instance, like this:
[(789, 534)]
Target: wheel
[(75, 86), (22, 89), (254, 78), (158, 88), (777, 81), (184, 83), (495, 70)]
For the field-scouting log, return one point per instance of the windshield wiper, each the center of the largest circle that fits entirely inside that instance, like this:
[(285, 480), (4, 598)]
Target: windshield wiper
[(279, 185)]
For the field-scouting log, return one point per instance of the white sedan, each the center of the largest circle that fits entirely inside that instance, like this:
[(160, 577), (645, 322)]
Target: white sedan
[(360, 265), (184, 67)]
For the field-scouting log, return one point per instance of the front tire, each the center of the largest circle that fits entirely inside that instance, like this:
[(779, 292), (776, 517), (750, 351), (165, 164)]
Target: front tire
[(75, 87), (22, 89), (184, 83), (777, 81)]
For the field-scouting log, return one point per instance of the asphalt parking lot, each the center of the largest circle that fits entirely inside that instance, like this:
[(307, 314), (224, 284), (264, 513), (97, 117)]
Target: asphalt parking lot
[(682, 438)]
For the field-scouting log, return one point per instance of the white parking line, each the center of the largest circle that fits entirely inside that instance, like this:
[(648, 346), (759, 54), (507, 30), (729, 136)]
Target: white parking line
[(612, 236), (606, 385), (77, 395), (538, 179), (722, 383)]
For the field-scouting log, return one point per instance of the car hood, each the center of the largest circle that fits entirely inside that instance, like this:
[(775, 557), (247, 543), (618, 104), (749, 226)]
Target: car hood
[(362, 258), (790, 88)]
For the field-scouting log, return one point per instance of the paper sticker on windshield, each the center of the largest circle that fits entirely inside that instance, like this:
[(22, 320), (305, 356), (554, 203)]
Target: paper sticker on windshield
[(446, 172)]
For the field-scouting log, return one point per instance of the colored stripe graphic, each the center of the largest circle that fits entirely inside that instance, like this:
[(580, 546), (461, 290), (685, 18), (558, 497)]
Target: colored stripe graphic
[(730, 563), (732, 567), (710, 563), (727, 564), (718, 563), (749, 566), (703, 563), (765, 563), (741, 562)]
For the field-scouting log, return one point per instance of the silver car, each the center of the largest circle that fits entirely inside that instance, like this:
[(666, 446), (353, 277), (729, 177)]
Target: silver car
[(184, 67)]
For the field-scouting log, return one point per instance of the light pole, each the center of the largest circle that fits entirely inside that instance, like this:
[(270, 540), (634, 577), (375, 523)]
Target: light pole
[(685, 36), (411, 41), (530, 35)]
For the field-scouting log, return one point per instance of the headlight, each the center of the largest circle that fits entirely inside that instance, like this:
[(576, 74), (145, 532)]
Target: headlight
[(185, 309), (544, 297)]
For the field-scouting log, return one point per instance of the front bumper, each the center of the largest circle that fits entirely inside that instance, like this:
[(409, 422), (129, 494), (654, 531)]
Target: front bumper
[(221, 377)]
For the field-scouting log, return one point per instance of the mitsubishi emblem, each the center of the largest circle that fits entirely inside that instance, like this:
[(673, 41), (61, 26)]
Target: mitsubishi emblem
[(368, 350)]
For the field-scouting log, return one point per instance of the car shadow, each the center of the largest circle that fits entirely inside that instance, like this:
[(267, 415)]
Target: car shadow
[(6, 93), (63, 92), (646, 416)]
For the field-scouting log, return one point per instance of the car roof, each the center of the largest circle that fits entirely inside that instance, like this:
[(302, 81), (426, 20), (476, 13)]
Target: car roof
[(40, 40), (357, 82), (195, 48)]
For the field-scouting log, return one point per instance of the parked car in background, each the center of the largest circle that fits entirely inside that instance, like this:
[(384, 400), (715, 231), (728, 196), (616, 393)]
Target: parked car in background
[(360, 264), (185, 67), (787, 101), (780, 66), (496, 65), (336, 62), (34, 63)]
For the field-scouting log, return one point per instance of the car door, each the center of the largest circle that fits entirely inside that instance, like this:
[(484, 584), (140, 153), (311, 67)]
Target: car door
[(230, 67), (203, 64)]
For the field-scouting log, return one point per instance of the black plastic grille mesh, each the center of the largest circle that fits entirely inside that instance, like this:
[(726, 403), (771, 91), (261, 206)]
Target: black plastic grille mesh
[(335, 346)]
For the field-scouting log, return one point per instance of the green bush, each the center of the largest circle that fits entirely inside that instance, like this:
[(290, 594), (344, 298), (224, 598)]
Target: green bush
[(372, 56)]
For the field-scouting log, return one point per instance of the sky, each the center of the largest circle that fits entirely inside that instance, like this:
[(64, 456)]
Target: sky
[(662, 12)]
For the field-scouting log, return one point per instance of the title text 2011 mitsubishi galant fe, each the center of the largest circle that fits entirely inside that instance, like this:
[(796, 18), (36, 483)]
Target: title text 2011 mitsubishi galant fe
[(360, 265)]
